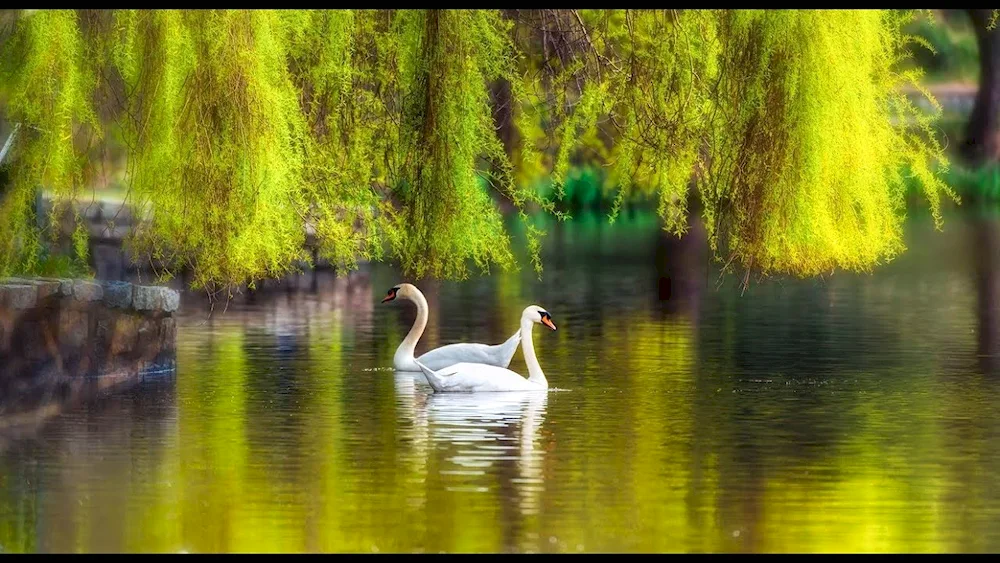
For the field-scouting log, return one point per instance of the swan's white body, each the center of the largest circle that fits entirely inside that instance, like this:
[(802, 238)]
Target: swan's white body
[(498, 355), (466, 377)]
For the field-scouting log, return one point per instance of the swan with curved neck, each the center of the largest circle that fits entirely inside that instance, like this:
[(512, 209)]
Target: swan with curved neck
[(498, 355), (468, 377)]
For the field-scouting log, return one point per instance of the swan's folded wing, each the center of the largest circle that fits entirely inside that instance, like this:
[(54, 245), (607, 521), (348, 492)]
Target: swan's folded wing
[(448, 371), (498, 355), (505, 352), (452, 354)]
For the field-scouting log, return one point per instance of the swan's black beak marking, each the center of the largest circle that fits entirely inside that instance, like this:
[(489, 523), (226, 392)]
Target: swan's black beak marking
[(390, 295), (547, 320)]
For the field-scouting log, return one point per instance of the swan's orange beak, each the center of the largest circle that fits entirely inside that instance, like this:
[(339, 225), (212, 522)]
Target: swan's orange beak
[(548, 322), (388, 298)]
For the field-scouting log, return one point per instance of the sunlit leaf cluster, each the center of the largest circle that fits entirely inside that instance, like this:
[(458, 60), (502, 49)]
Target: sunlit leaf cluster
[(789, 128)]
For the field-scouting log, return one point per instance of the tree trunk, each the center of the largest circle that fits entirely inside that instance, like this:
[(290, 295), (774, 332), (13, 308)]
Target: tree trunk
[(5, 170), (982, 136), (987, 239), (503, 114)]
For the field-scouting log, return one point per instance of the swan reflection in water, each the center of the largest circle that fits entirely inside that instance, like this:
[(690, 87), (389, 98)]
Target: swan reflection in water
[(492, 435), (488, 440)]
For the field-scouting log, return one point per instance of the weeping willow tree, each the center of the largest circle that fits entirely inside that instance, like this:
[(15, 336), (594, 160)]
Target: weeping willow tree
[(378, 130), (787, 124)]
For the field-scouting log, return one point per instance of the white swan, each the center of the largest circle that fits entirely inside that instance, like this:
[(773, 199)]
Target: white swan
[(403, 360), (469, 377)]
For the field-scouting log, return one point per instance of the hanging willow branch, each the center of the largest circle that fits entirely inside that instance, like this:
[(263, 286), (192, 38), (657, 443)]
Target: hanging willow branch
[(381, 130)]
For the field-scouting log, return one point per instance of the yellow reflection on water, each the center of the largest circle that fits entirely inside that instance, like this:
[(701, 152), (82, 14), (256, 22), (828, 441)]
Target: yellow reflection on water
[(664, 432)]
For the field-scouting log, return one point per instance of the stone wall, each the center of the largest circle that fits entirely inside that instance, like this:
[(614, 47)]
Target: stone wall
[(108, 223), (64, 339)]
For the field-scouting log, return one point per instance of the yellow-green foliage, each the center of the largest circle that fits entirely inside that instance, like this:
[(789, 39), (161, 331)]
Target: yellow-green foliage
[(331, 61), (789, 122), (664, 104), (216, 141), (375, 128), (445, 62), (403, 153), (805, 173), (47, 81)]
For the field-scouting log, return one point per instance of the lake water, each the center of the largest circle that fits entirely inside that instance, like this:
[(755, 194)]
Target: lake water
[(852, 413)]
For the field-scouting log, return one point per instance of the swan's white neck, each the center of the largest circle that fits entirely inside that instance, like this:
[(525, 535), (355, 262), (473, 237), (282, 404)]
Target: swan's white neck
[(409, 344), (535, 374)]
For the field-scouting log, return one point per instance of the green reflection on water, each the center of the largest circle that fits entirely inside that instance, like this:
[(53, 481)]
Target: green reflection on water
[(851, 414)]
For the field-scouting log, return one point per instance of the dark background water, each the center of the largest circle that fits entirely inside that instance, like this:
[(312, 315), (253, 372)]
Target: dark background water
[(851, 413)]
